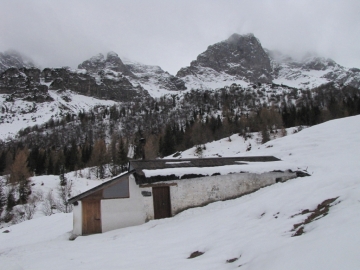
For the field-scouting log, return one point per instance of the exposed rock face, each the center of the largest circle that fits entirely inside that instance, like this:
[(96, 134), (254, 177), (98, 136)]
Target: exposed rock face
[(151, 78), (98, 63), (14, 59), (105, 84), (23, 83), (31, 84), (239, 56)]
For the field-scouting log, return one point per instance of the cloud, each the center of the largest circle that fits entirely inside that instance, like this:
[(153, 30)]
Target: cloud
[(172, 33)]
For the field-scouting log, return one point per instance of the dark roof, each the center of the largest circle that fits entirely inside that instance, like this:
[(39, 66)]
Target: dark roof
[(139, 165), (99, 187)]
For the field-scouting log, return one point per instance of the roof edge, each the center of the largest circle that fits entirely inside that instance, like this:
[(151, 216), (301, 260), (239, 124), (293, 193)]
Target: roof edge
[(101, 186)]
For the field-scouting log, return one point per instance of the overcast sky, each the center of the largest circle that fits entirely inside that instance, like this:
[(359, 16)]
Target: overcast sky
[(172, 33)]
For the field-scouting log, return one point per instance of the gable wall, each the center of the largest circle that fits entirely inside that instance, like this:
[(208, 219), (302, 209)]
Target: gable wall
[(125, 212)]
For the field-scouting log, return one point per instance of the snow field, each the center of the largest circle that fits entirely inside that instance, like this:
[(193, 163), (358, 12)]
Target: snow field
[(255, 229)]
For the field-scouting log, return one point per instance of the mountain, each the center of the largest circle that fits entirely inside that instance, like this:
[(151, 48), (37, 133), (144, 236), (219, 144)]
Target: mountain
[(152, 78), (11, 59), (311, 71), (99, 63), (240, 57), (246, 76)]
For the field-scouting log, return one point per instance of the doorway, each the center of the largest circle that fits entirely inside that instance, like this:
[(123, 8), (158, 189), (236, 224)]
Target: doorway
[(161, 198), (91, 217)]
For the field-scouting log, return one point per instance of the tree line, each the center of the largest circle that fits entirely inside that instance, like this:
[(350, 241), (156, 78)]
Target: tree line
[(103, 136)]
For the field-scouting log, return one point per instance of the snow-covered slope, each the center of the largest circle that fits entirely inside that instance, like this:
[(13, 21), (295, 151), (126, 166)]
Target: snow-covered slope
[(234, 145), (208, 78), (19, 114), (153, 79), (254, 231), (311, 71)]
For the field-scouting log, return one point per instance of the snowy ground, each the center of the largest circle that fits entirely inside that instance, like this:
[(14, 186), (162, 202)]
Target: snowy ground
[(232, 146), (41, 186), (254, 231)]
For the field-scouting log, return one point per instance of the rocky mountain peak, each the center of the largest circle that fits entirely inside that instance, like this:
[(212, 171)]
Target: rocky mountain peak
[(98, 63), (319, 63), (14, 59), (237, 38), (99, 58), (241, 56)]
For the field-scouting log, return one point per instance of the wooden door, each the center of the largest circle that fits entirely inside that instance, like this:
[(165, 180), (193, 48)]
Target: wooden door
[(161, 197), (91, 217)]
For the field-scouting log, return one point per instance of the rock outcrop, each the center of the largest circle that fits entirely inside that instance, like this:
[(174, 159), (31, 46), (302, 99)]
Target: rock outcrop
[(99, 63), (241, 56), (23, 83)]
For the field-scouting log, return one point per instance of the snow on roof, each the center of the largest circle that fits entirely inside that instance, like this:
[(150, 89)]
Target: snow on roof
[(140, 165), (151, 171), (251, 167)]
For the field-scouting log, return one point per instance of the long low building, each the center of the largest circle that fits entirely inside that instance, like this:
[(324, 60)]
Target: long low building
[(154, 189)]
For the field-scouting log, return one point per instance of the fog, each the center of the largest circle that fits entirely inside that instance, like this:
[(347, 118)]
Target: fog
[(172, 33)]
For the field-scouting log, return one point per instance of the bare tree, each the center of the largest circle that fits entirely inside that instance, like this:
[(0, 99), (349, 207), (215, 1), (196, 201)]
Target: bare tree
[(64, 193), (19, 174), (49, 204)]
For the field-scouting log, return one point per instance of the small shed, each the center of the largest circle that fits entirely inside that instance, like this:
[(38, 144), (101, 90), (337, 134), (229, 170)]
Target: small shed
[(154, 189)]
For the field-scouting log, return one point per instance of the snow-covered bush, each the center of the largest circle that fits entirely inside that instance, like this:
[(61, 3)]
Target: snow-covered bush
[(49, 204)]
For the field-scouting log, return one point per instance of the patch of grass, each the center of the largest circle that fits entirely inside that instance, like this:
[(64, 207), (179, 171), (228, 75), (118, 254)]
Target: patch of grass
[(195, 254), (319, 212), (232, 260)]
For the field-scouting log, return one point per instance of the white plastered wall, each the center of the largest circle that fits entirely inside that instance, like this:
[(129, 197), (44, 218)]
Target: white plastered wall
[(77, 219), (120, 213), (199, 191), (148, 204)]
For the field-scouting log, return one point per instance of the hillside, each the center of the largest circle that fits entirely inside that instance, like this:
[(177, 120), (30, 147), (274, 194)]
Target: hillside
[(255, 231), (233, 78)]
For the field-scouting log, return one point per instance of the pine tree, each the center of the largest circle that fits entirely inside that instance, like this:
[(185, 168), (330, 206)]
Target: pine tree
[(99, 157), (10, 202), (71, 156), (63, 179), (265, 135), (2, 161), (122, 159), (2, 197), (33, 158), (168, 142), (24, 191), (41, 162), (50, 167)]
